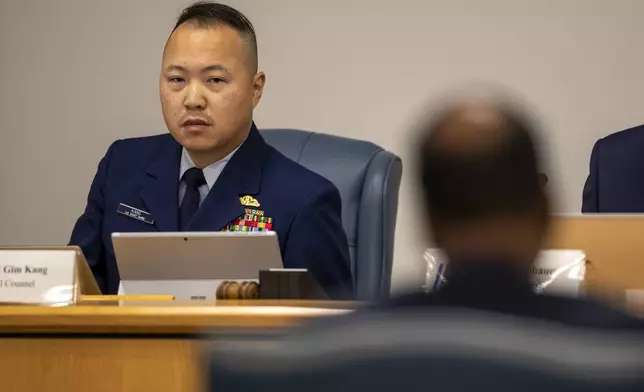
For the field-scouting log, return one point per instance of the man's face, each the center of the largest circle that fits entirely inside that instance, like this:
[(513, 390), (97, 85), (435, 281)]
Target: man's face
[(208, 90)]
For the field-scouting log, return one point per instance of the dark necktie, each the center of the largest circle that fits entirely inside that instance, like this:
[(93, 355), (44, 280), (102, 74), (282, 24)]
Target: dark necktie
[(193, 178)]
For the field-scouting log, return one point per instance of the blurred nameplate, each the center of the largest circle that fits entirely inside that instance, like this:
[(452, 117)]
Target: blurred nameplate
[(635, 299), (38, 276), (558, 272)]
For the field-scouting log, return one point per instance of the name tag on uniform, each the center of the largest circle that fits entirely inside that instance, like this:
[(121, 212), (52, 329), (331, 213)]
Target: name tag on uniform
[(135, 213)]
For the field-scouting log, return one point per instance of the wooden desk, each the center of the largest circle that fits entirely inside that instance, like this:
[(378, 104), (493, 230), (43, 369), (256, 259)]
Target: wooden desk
[(132, 346), (613, 246)]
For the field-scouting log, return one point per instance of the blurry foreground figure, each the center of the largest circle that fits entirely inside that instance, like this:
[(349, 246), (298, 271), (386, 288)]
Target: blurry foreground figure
[(485, 329), (489, 211)]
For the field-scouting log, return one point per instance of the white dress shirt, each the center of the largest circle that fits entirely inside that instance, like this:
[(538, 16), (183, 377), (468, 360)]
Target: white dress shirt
[(210, 172)]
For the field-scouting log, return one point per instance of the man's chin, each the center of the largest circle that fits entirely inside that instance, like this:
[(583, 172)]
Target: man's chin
[(201, 147), (196, 143)]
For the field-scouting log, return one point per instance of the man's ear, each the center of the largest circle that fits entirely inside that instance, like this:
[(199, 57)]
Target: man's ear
[(543, 180), (258, 87)]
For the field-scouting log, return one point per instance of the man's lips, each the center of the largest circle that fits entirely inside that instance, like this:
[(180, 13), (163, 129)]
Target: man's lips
[(195, 122), (195, 125)]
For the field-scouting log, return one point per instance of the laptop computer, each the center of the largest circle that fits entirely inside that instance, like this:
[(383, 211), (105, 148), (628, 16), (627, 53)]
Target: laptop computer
[(191, 265)]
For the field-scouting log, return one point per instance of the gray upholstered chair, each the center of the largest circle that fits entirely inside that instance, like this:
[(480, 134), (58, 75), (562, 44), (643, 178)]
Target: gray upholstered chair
[(368, 178)]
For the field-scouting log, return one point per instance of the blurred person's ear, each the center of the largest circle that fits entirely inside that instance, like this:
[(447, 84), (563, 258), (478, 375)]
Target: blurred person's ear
[(543, 180)]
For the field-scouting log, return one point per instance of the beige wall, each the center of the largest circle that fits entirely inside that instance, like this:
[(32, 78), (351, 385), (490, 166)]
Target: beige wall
[(78, 74)]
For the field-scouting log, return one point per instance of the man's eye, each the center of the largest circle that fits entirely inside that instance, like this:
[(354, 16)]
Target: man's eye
[(215, 80), (175, 79)]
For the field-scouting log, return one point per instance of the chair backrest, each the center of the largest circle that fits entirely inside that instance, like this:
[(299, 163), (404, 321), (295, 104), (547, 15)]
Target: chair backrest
[(368, 178), (437, 350)]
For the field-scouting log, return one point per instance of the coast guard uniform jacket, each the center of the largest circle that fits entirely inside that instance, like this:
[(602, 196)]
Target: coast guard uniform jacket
[(302, 207)]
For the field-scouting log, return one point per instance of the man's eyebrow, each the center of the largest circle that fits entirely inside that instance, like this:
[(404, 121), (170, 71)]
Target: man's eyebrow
[(214, 67), (173, 67)]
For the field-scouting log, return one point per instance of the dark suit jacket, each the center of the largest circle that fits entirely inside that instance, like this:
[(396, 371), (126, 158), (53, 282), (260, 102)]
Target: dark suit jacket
[(615, 183), (495, 288), (144, 173)]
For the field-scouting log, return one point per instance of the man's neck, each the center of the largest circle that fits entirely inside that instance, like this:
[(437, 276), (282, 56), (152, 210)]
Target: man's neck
[(488, 277), (203, 159)]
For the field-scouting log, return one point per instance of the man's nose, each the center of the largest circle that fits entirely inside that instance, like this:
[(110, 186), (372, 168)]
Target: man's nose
[(194, 97)]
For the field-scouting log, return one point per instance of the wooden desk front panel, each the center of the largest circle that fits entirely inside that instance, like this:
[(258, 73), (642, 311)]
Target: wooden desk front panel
[(44, 364), (614, 246), (131, 347)]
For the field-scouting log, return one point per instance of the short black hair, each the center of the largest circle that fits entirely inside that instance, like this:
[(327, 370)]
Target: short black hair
[(209, 14), (502, 179)]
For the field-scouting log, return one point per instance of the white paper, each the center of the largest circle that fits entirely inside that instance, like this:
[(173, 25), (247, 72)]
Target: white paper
[(558, 272)]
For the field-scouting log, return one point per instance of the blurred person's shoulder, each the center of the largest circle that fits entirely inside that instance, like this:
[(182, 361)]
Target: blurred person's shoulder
[(577, 312), (588, 312)]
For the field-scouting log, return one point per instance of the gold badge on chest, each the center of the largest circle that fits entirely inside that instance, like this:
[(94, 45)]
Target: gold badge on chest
[(248, 201)]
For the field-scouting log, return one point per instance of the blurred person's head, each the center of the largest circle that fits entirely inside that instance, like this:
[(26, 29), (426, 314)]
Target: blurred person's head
[(481, 184), (209, 84)]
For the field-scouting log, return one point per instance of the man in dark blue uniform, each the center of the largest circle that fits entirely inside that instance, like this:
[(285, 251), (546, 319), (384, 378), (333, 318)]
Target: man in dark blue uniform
[(489, 211), (213, 171), (614, 183)]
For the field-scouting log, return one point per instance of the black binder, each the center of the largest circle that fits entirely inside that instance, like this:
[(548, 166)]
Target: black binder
[(289, 284)]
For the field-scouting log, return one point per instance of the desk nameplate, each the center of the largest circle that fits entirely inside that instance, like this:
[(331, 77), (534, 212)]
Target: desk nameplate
[(38, 276)]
